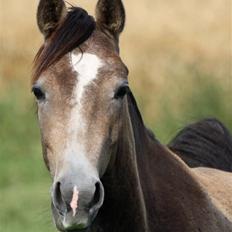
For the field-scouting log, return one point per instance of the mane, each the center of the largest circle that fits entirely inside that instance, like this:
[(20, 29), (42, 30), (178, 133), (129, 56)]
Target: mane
[(74, 29), (137, 119), (207, 143)]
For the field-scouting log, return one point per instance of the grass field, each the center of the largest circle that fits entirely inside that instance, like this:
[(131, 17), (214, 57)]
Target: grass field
[(179, 56)]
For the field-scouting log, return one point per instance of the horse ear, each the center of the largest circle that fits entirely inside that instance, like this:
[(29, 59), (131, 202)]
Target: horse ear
[(49, 14), (110, 15)]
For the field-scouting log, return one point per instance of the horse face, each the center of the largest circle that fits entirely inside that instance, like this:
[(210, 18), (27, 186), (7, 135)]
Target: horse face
[(80, 99)]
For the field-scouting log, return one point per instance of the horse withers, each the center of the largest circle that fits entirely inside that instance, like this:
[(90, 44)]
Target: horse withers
[(109, 173)]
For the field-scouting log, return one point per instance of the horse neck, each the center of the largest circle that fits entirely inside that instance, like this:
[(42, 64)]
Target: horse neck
[(165, 180), (146, 180), (123, 209)]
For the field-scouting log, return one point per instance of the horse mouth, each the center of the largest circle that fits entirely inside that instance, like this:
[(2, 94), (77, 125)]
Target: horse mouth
[(68, 223), (79, 228)]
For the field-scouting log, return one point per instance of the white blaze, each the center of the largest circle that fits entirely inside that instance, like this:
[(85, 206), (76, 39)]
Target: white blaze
[(87, 66)]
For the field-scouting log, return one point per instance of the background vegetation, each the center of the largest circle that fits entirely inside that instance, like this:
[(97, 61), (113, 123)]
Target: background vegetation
[(179, 56)]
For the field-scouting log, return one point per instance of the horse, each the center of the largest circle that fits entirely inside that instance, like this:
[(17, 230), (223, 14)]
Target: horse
[(205, 143), (109, 173)]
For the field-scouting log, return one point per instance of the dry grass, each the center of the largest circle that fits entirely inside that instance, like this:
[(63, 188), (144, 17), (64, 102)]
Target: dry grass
[(159, 35)]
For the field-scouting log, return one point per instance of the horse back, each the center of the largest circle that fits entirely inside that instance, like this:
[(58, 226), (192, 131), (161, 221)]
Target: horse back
[(218, 185)]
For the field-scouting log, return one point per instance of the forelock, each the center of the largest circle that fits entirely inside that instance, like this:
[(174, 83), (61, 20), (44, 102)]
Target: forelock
[(75, 29)]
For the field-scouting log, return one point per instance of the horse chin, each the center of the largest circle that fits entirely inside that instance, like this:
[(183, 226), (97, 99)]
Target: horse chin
[(69, 223)]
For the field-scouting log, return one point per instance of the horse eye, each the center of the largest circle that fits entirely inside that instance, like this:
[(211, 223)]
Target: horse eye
[(39, 94), (122, 91)]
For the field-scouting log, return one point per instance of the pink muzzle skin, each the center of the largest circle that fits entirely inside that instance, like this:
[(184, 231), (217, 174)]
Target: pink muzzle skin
[(74, 202)]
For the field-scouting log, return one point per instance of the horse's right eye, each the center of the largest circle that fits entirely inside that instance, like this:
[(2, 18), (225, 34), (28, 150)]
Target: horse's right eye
[(39, 94), (122, 91)]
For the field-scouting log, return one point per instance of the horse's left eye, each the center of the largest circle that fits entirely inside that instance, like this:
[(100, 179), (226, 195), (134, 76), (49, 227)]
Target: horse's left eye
[(39, 94), (122, 91)]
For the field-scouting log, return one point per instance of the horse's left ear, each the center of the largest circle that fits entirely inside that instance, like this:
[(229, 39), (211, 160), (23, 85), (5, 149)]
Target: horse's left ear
[(110, 16), (49, 14)]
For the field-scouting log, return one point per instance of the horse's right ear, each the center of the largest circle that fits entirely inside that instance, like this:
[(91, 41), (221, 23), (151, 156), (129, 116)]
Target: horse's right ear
[(49, 14), (110, 15)]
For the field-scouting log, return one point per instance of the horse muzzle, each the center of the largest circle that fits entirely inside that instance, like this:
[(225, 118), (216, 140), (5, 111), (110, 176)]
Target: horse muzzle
[(76, 202)]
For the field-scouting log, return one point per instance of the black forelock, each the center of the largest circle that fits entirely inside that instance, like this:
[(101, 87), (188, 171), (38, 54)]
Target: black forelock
[(75, 29)]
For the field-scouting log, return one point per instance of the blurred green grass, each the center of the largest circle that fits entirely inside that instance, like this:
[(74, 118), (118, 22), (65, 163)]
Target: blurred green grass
[(189, 97), (24, 182)]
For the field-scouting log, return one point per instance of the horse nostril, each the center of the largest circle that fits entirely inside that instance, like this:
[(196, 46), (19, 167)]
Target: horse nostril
[(97, 198), (97, 193), (67, 199), (58, 200)]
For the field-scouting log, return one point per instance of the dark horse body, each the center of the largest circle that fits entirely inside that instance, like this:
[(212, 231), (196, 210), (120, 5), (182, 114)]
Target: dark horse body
[(109, 173)]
